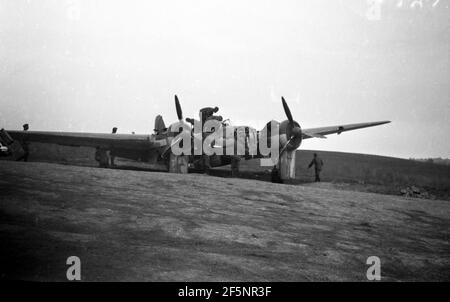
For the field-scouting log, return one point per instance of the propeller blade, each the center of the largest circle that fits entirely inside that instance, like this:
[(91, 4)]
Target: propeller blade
[(285, 146), (178, 107), (175, 141), (286, 110)]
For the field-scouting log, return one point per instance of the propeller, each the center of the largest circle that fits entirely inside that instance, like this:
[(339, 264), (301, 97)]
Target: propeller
[(180, 118), (294, 129), (285, 146), (178, 107), (287, 110)]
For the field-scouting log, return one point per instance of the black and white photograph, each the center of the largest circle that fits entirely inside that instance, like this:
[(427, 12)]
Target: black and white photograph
[(203, 142)]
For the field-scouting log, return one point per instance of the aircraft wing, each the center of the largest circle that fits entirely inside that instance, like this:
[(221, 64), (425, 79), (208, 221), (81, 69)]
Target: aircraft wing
[(102, 140), (322, 131)]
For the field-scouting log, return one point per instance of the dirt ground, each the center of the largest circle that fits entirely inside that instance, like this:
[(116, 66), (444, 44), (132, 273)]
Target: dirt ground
[(150, 226)]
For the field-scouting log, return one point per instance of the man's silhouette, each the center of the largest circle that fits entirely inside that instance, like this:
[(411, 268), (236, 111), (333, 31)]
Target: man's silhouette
[(318, 164), (25, 145), (112, 155), (205, 114)]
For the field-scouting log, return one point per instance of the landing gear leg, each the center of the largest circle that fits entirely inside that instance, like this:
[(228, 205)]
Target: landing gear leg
[(235, 166), (206, 165), (178, 163), (112, 157), (287, 165), (101, 156)]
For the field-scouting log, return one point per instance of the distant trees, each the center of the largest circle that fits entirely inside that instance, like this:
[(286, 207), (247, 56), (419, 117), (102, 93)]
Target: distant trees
[(437, 160)]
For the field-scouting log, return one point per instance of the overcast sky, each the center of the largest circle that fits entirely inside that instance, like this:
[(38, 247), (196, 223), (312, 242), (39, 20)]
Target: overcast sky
[(91, 65)]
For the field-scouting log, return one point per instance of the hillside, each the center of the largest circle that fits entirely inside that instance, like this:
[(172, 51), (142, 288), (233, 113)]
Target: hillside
[(360, 172), (142, 226), (369, 172)]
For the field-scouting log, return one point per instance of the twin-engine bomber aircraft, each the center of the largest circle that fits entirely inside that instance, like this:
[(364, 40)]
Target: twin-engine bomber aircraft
[(156, 148)]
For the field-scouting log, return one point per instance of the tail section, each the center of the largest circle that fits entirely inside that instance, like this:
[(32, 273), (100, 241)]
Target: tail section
[(159, 125), (5, 138), (13, 147)]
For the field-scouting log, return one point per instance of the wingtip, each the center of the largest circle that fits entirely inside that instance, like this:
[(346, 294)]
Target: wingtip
[(381, 123)]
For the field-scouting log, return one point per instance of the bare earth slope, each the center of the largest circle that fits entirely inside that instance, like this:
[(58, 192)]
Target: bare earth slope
[(359, 172), (148, 226)]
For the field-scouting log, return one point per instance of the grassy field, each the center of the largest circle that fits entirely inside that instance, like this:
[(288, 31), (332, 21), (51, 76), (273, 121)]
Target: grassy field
[(369, 172), (350, 171), (153, 226)]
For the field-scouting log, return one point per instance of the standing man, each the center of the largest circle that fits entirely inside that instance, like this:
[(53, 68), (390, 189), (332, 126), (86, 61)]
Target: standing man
[(111, 152), (275, 175), (318, 164), (206, 114), (25, 147)]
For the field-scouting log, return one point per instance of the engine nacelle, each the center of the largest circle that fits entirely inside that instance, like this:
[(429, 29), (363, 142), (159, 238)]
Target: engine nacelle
[(290, 132), (286, 132)]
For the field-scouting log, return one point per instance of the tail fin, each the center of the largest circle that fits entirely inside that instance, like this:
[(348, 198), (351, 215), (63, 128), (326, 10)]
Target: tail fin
[(14, 146), (5, 138), (159, 124)]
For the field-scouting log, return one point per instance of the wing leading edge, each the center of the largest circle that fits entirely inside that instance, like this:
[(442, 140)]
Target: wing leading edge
[(322, 131), (146, 142), (102, 140)]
